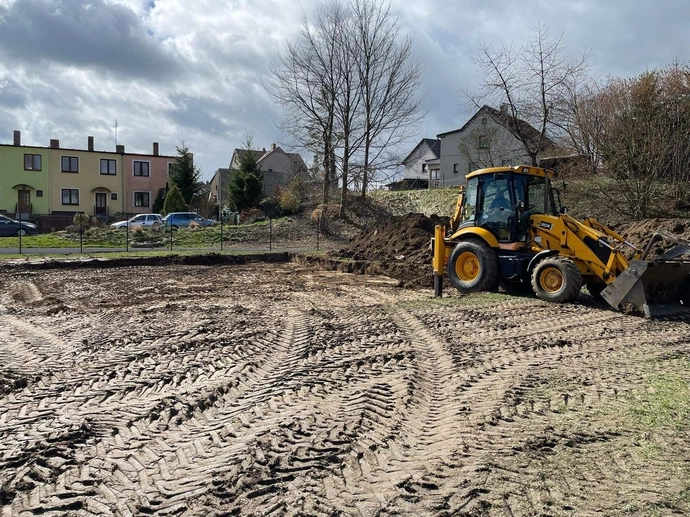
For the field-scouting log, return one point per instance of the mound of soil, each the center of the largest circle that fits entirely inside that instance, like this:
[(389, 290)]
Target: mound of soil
[(398, 247), (639, 233)]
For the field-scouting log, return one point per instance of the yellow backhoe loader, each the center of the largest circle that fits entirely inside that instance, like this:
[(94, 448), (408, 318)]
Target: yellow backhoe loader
[(507, 227)]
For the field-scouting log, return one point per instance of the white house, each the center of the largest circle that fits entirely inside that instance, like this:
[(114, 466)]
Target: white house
[(417, 169), (277, 166), (486, 140)]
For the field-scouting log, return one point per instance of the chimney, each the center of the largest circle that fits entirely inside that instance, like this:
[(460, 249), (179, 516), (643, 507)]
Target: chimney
[(120, 149), (90, 140), (17, 137), (505, 108), (54, 143), (273, 147), (155, 148)]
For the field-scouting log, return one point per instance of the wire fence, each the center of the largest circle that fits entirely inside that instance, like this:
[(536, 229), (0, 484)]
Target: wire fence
[(78, 233)]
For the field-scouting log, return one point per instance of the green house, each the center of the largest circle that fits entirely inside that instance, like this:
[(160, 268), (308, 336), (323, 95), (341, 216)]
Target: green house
[(24, 180)]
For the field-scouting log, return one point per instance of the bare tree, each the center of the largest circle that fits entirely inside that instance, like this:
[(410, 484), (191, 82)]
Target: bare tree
[(532, 83), (348, 89), (389, 76), (489, 148), (306, 79)]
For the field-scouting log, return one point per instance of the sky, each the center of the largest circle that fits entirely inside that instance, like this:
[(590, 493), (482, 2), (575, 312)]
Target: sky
[(169, 71)]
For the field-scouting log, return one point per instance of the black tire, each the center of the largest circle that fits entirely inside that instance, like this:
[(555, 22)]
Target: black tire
[(22, 232), (473, 267), (556, 279)]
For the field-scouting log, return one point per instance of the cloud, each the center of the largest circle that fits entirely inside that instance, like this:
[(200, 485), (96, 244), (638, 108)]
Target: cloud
[(167, 69), (106, 36)]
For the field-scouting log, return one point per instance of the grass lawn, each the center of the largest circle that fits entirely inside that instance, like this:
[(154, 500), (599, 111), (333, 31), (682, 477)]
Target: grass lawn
[(144, 238)]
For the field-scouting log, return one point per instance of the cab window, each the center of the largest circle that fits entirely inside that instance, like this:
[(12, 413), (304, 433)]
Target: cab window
[(496, 208), (469, 204)]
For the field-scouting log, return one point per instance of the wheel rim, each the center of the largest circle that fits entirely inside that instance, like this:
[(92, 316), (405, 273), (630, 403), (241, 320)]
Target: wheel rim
[(551, 280), (467, 266), (21, 232)]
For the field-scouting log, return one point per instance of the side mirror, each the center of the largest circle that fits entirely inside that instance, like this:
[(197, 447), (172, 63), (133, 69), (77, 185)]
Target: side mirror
[(521, 206)]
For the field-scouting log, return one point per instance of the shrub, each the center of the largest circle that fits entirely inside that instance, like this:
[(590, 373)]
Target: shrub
[(252, 215), (289, 201), (194, 225), (81, 220)]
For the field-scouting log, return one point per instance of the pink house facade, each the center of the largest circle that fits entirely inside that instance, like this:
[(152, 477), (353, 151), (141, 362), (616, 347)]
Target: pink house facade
[(145, 174)]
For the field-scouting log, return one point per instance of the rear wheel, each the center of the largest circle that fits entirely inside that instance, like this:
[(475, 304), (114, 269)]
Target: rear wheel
[(556, 279), (473, 267), (22, 232)]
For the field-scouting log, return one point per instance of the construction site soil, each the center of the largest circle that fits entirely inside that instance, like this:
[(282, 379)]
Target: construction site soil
[(242, 387)]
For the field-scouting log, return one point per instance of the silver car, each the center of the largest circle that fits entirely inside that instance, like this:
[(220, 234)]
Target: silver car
[(145, 220)]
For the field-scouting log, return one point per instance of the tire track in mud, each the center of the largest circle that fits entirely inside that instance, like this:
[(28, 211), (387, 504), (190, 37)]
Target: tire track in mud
[(329, 399), (494, 384), (190, 431)]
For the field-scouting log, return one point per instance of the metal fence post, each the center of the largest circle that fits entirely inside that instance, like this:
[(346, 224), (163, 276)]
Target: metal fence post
[(81, 233), (318, 232), (221, 230), (20, 231), (127, 237), (171, 229), (270, 234)]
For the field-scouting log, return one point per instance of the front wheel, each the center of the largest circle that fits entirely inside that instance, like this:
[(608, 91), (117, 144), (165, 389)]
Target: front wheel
[(556, 279), (21, 232), (473, 267)]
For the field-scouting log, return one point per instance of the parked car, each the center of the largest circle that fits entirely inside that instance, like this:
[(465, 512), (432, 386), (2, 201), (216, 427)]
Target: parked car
[(184, 219), (145, 220), (11, 227)]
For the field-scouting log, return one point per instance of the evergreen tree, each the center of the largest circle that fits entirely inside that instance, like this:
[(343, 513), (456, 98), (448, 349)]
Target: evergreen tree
[(157, 207), (184, 174), (174, 202), (246, 183)]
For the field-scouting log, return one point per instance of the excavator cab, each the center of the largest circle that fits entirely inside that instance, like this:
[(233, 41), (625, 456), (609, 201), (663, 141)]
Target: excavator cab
[(506, 226), (502, 203)]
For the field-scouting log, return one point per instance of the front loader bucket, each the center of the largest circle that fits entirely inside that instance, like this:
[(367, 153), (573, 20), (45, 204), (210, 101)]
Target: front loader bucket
[(647, 283)]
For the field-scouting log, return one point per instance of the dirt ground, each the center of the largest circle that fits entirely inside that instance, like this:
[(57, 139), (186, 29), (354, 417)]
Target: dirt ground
[(279, 389)]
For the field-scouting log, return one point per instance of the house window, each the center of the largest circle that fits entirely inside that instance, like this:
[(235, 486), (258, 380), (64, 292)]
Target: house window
[(32, 162), (141, 169), (70, 164), (113, 196), (455, 168), (142, 199), (70, 196), (39, 193), (424, 167), (170, 167), (483, 142), (484, 121), (108, 167)]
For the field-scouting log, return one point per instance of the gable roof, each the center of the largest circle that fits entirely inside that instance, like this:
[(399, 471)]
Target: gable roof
[(507, 121), (260, 156), (434, 145)]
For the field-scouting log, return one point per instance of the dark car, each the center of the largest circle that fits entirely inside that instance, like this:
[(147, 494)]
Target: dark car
[(9, 227)]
